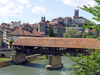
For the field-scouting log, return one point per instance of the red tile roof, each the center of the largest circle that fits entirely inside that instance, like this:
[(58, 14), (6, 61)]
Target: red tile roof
[(55, 24), (21, 32), (42, 21), (67, 18), (35, 25), (58, 42)]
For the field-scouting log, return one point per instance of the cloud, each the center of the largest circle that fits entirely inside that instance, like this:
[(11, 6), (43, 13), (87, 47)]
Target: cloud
[(12, 7), (23, 1), (38, 10), (79, 2), (28, 5)]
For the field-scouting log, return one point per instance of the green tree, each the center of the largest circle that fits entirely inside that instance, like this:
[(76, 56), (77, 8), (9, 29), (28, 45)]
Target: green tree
[(47, 21), (72, 33), (84, 35), (95, 34), (95, 11), (66, 25), (89, 65), (86, 65), (50, 31), (55, 34), (36, 28), (73, 25), (10, 43)]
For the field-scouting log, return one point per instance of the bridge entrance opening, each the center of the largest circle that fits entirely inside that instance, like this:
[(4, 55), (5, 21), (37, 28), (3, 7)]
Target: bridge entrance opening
[(3, 55)]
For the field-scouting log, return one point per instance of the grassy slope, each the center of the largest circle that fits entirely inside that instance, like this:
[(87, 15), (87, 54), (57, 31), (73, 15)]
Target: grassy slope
[(4, 59)]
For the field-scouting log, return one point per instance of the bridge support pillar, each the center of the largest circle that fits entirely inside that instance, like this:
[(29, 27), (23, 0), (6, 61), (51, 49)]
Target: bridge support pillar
[(18, 58), (54, 62)]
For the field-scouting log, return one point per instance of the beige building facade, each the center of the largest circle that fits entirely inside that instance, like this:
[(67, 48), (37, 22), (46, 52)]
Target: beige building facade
[(1, 38)]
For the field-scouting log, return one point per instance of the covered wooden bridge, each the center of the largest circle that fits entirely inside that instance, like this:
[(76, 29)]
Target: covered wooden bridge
[(55, 46), (52, 46)]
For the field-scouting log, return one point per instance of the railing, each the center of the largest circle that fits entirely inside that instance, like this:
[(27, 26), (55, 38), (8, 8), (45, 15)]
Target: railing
[(50, 52)]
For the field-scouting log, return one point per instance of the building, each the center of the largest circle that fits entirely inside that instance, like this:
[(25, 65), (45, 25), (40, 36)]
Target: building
[(7, 29), (1, 38), (58, 20), (59, 28), (75, 20), (6, 36), (42, 25), (26, 26), (79, 20), (24, 33), (15, 24), (67, 20)]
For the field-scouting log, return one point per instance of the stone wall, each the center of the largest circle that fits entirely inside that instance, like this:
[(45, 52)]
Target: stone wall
[(18, 58), (1, 39), (54, 62), (7, 53), (60, 32)]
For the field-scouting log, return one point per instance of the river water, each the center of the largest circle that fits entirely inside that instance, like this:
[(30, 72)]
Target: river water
[(36, 68)]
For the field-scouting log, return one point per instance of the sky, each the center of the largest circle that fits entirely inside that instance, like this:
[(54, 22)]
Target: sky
[(31, 11)]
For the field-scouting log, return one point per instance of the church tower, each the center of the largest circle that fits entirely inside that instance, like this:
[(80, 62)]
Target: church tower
[(76, 14)]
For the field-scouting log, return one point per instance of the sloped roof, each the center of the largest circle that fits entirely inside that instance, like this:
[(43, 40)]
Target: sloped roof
[(21, 32), (58, 42), (42, 21), (67, 18)]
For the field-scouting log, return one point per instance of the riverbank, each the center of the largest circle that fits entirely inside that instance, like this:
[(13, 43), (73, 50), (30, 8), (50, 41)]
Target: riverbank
[(6, 61), (36, 68), (36, 57)]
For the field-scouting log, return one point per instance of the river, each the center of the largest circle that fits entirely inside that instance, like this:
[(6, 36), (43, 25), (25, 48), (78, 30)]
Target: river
[(36, 68)]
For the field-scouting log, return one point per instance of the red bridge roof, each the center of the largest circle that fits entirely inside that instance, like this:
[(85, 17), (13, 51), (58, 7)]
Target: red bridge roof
[(58, 42)]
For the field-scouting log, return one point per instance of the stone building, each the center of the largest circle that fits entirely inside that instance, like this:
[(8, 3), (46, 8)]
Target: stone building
[(1, 38), (42, 25), (75, 20), (59, 28)]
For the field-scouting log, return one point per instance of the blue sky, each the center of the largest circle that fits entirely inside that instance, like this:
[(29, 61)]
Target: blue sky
[(30, 11)]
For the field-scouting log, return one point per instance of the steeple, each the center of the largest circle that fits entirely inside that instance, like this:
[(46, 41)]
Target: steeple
[(44, 19)]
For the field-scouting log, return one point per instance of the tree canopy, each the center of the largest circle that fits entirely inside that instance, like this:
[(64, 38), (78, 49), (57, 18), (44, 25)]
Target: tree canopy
[(89, 65), (72, 33), (50, 31), (86, 65), (95, 11)]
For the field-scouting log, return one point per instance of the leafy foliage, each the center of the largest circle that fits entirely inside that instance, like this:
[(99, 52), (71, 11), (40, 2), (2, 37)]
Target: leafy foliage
[(86, 65), (66, 25), (10, 43), (50, 31), (72, 33), (47, 21), (36, 28), (95, 11)]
